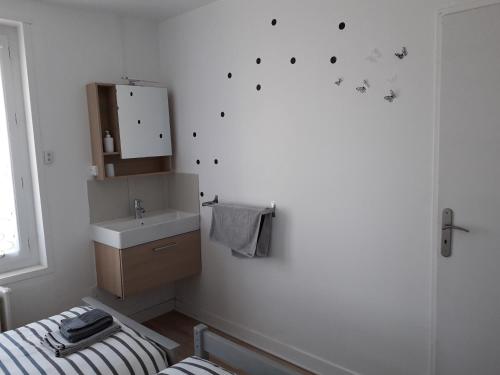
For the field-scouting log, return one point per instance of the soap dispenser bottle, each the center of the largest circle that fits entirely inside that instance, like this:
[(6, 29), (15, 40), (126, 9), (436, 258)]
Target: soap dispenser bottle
[(108, 143)]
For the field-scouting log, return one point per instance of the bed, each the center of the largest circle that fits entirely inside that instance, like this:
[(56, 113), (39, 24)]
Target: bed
[(125, 352), (136, 349)]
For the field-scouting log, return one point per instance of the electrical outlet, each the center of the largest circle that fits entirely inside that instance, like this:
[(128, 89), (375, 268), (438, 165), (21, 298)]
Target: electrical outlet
[(48, 157)]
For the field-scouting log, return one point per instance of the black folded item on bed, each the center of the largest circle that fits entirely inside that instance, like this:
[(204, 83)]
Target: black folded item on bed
[(85, 325), (56, 343)]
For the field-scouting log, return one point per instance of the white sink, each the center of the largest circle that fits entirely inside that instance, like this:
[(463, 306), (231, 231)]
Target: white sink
[(127, 232)]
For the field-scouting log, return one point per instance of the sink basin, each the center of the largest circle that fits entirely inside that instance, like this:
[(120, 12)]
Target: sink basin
[(128, 232)]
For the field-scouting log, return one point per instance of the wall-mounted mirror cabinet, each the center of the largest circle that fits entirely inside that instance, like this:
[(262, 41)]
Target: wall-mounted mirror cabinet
[(143, 121), (137, 118)]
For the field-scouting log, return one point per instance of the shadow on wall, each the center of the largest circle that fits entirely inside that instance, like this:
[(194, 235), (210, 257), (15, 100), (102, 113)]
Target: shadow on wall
[(173, 127)]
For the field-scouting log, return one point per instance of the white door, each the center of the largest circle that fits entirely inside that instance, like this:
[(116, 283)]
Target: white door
[(468, 282), (143, 119)]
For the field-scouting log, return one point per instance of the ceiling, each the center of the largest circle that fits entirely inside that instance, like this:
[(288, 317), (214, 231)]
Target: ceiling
[(154, 9)]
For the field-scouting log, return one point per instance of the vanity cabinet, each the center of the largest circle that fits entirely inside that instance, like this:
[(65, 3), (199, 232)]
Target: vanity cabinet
[(144, 123), (127, 272), (137, 118)]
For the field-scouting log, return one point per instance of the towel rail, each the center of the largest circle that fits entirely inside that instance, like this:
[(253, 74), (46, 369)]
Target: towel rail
[(270, 210)]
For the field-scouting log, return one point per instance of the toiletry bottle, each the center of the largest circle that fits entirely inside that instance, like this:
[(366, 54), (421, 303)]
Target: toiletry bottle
[(110, 170), (108, 143)]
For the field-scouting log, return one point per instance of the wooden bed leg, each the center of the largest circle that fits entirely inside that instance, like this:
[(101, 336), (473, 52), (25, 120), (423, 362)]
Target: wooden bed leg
[(198, 341)]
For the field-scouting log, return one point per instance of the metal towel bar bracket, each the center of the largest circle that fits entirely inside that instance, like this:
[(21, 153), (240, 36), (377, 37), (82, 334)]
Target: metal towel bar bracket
[(211, 203), (270, 210)]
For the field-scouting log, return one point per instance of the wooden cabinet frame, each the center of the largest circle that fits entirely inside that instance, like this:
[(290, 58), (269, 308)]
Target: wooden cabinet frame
[(103, 115)]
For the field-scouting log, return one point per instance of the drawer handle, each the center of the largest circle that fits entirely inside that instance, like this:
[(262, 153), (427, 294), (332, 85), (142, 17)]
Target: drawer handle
[(166, 247)]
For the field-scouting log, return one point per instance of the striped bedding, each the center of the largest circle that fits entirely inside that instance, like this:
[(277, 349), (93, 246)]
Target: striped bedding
[(125, 352), (195, 366)]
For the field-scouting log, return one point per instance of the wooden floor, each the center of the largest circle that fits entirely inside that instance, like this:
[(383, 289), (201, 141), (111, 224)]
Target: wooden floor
[(179, 328)]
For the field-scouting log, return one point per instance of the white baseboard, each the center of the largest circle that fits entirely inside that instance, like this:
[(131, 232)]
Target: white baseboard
[(154, 311), (277, 348)]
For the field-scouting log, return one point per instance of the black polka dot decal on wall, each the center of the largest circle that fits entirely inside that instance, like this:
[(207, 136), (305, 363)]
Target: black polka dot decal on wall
[(216, 161), (198, 162), (139, 122), (194, 134), (342, 25), (259, 87), (293, 60), (131, 93), (161, 135), (258, 61), (274, 22), (229, 75), (333, 59), (202, 194), (222, 114)]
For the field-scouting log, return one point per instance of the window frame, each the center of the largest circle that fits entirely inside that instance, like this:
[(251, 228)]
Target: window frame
[(10, 66), (41, 241)]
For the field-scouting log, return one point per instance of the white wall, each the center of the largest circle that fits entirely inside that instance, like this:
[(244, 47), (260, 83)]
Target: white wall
[(348, 284), (141, 52), (71, 49)]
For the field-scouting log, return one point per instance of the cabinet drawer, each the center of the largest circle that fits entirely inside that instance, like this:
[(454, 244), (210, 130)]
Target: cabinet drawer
[(156, 263)]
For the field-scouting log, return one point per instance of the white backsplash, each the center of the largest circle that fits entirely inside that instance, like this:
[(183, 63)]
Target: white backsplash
[(113, 199)]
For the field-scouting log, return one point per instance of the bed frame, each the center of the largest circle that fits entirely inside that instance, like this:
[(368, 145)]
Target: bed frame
[(5, 310), (206, 344), (169, 346)]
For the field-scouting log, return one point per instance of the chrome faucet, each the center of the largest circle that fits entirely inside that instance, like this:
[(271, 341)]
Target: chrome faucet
[(139, 210)]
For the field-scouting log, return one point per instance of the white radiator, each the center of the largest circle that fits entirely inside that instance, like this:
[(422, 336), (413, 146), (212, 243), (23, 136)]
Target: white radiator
[(5, 312)]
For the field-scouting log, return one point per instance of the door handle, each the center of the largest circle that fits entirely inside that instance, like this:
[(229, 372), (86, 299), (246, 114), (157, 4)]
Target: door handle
[(455, 227), (447, 232), (165, 247)]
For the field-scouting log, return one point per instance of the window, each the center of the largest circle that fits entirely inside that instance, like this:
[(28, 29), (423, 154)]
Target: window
[(18, 239)]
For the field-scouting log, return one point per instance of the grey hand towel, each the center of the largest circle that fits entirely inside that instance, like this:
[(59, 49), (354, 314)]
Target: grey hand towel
[(85, 325), (61, 347), (246, 230)]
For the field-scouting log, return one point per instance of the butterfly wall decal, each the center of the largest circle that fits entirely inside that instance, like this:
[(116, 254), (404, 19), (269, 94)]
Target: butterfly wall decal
[(390, 98), (401, 55)]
